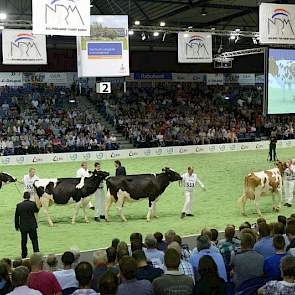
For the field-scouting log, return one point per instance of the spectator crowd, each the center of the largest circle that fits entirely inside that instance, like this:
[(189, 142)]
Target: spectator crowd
[(258, 259), (192, 113), (45, 120)]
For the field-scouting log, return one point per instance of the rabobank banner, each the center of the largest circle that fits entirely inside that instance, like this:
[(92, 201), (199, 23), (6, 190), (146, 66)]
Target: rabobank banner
[(215, 79), (140, 153), (23, 47), (277, 23), (152, 76), (106, 52), (194, 47), (11, 79), (61, 17)]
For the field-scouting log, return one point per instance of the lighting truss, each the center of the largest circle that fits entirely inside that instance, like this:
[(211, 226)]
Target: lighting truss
[(232, 54)]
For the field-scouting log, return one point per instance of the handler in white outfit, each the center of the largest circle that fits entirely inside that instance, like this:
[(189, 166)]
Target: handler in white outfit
[(189, 181), (99, 198), (84, 172), (28, 182), (289, 181)]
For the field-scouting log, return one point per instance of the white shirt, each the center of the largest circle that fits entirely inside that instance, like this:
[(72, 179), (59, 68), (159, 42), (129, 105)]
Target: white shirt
[(66, 278), (289, 173), (24, 290), (82, 173), (190, 182), (28, 183)]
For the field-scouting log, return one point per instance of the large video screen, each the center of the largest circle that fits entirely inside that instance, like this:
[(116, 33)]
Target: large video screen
[(281, 81)]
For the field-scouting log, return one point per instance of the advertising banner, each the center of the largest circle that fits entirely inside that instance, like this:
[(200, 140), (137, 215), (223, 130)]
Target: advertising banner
[(22, 47), (194, 47), (11, 79), (61, 17), (277, 23), (215, 79), (106, 52)]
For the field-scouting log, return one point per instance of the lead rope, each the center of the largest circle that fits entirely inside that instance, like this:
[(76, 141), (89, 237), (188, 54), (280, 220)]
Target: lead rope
[(18, 189)]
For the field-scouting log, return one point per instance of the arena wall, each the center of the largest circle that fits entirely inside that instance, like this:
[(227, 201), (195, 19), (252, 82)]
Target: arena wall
[(140, 153)]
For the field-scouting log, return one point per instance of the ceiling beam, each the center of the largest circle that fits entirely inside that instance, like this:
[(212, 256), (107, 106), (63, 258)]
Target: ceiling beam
[(97, 7), (181, 9), (141, 10)]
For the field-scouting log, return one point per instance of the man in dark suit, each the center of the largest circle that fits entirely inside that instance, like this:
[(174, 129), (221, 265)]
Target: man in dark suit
[(25, 221), (120, 170)]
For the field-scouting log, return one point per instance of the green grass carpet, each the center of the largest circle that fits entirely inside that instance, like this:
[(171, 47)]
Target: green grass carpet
[(222, 173)]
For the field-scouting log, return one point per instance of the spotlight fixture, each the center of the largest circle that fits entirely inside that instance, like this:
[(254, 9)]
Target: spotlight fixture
[(156, 34), (232, 37), (3, 16), (203, 11), (162, 24), (131, 32), (164, 37), (190, 27), (143, 36), (137, 22)]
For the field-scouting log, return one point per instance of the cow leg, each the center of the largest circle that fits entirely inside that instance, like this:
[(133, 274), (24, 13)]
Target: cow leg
[(150, 211), (85, 203), (76, 210), (119, 206), (241, 203), (256, 202), (108, 203), (45, 204), (154, 213)]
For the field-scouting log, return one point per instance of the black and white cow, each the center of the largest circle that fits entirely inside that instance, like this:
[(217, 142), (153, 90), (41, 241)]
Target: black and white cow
[(283, 71), (132, 188), (6, 178), (62, 191)]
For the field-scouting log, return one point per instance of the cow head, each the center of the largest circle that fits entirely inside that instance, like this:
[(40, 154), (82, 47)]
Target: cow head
[(6, 178), (282, 166), (99, 174), (173, 175)]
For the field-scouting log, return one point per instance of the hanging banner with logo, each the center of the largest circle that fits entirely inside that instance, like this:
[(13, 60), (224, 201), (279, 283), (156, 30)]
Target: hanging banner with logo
[(194, 47), (23, 47), (61, 17), (106, 52), (215, 79), (11, 79), (277, 23)]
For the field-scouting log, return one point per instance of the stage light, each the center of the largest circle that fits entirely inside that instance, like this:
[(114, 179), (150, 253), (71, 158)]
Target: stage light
[(162, 24), (131, 32), (137, 22), (203, 11), (232, 37), (143, 36), (3, 16), (156, 34)]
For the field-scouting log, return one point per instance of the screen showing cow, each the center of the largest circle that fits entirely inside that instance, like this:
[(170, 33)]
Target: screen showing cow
[(281, 81)]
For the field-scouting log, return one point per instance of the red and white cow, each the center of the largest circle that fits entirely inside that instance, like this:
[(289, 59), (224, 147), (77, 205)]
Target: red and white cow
[(262, 183)]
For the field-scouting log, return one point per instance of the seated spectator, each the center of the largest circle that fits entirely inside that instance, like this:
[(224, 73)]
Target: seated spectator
[(155, 256), (108, 283), (130, 285), (52, 262), (40, 280), (8, 263), (214, 235), (145, 271), (203, 247), (272, 263), (264, 245), (169, 236), (290, 232), (227, 247), (17, 262), (5, 282), (115, 243), (206, 232), (19, 282), (210, 282), (100, 261), (173, 281), (185, 252), (161, 245), (84, 274), (248, 263), (135, 242), (67, 276), (111, 255), (27, 263), (184, 266), (287, 285), (122, 250), (76, 251)]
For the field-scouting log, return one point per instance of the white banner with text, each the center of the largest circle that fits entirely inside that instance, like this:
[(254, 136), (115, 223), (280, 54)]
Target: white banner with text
[(140, 153), (61, 17), (22, 47)]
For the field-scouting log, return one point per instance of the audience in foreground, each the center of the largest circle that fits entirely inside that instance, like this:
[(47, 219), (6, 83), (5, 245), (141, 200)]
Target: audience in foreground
[(260, 258)]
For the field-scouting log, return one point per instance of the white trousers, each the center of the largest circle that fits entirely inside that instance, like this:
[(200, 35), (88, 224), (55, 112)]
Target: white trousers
[(289, 188), (188, 202), (99, 202)]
